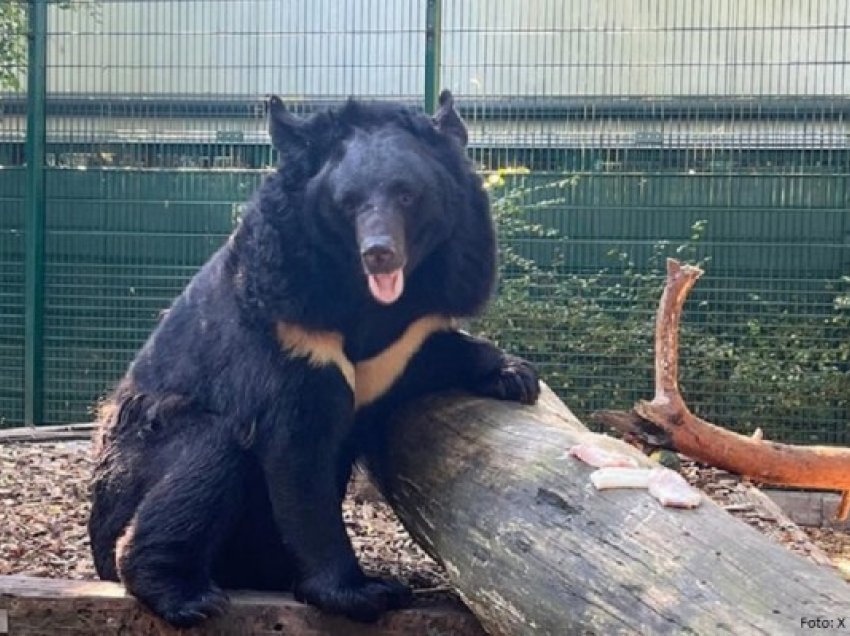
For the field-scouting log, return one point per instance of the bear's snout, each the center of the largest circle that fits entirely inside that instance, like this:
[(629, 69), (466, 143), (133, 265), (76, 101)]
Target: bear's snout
[(381, 240), (380, 255), (384, 263)]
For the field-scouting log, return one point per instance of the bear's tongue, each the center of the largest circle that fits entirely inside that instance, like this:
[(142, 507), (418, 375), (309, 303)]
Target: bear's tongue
[(387, 288)]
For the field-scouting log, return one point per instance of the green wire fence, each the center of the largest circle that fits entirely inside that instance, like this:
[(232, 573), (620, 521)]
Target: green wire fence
[(611, 133)]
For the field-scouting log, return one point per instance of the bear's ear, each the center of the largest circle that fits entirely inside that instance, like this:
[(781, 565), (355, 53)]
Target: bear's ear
[(287, 131), (447, 120)]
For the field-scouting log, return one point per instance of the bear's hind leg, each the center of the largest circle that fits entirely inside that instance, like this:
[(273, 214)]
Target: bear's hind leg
[(113, 505), (253, 557), (165, 555)]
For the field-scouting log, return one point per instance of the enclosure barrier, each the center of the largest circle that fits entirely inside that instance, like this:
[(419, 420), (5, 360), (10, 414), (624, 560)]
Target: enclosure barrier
[(610, 134)]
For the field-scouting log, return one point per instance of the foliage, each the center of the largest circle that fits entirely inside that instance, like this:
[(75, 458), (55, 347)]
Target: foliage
[(591, 333), (13, 37), (13, 45)]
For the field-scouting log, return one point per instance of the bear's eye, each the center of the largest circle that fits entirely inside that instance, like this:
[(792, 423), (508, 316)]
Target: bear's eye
[(405, 199), (349, 205)]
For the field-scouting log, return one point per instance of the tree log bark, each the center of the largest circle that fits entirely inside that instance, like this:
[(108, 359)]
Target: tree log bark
[(488, 489)]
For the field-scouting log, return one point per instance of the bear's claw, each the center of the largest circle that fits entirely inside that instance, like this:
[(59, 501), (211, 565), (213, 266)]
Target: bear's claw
[(516, 380)]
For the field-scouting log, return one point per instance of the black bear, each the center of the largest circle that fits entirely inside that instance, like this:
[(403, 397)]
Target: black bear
[(223, 454)]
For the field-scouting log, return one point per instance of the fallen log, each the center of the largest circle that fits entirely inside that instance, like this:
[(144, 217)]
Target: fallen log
[(32, 606), (489, 490)]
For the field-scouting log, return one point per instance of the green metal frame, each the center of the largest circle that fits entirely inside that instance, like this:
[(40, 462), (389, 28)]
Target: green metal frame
[(35, 212), (433, 28), (102, 223)]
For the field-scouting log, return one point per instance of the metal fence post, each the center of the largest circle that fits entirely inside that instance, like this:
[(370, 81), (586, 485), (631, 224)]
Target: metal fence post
[(35, 212), (433, 27)]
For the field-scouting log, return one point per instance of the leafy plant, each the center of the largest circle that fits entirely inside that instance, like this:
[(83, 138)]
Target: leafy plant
[(13, 37), (13, 45), (591, 334)]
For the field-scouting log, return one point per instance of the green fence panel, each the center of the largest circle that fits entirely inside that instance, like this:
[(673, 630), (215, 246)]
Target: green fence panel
[(12, 182), (623, 125), (121, 245), (611, 134), (13, 175)]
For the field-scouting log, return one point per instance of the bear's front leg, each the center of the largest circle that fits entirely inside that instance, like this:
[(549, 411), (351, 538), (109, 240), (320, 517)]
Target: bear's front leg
[(457, 360), (299, 452)]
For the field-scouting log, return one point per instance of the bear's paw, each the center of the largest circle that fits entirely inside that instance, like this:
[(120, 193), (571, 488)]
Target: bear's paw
[(364, 600), (515, 380)]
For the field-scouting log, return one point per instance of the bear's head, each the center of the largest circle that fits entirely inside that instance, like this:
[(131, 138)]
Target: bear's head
[(391, 193)]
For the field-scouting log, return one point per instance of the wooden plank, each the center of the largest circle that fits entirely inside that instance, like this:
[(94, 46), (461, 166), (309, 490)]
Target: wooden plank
[(810, 508), (781, 526), (65, 432), (488, 489), (35, 606)]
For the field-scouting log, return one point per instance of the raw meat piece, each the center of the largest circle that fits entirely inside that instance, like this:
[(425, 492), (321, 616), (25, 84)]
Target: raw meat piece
[(619, 477), (601, 458), (671, 489)]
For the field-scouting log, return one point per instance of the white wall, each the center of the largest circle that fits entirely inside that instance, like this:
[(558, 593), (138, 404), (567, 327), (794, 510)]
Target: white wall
[(649, 47), (500, 48)]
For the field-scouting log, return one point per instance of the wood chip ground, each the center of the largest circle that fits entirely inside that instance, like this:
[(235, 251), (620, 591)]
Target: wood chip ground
[(44, 507)]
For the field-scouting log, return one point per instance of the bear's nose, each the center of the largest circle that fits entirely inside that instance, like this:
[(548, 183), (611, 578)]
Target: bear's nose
[(380, 257)]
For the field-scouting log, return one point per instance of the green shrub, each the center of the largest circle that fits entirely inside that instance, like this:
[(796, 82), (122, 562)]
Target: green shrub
[(591, 334)]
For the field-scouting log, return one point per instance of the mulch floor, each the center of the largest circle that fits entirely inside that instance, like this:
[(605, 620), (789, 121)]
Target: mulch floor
[(44, 507)]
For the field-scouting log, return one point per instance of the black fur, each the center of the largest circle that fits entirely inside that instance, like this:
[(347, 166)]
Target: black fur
[(221, 458)]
